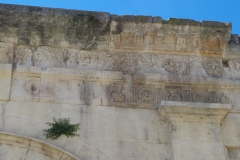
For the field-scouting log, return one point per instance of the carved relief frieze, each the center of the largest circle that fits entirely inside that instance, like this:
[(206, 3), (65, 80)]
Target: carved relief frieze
[(177, 65), (128, 39), (212, 45), (200, 96), (24, 56), (168, 39), (126, 63), (172, 65), (147, 95), (234, 66), (117, 93), (181, 43), (192, 41), (188, 94), (213, 67), (173, 94), (43, 57)]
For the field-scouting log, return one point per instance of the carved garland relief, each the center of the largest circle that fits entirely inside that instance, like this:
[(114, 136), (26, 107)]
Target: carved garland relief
[(127, 63)]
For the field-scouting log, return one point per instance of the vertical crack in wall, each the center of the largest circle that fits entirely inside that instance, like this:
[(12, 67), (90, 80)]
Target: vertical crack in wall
[(28, 149)]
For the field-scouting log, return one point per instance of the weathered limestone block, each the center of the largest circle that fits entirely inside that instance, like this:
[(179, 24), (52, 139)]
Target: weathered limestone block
[(6, 53), (181, 36), (54, 27), (5, 81), (110, 74), (233, 48), (195, 129), (2, 111), (26, 88), (25, 24), (230, 129), (125, 150), (213, 37), (104, 131), (234, 153), (26, 148)]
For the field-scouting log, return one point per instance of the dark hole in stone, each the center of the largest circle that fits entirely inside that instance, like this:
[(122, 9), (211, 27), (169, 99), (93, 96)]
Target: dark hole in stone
[(225, 63), (33, 88)]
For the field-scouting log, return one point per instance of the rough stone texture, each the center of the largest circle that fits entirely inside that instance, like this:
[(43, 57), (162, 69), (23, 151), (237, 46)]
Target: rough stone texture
[(195, 129), (5, 80), (111, 74), (18, 147)]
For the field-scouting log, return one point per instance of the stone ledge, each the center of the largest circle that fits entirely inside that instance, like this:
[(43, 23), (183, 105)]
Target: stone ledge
[(189, 111)]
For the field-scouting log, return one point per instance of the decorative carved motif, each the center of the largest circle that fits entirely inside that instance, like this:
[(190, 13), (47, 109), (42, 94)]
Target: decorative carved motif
[(212, 42), (181, 43), (32, 87), (235, 64), (192, 40), (188, 67), (126, 63), (173, 94), (199, 96), (74, 58), (172, 65), (138, 38), (147, 95), (168, 39), (223, 98), (212, 45), (42, 57), (116, 38), (24, 55), (213, 67), (116, 94), (127, 37)]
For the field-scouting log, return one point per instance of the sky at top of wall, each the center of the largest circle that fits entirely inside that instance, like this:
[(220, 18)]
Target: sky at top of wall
[(212, 10)]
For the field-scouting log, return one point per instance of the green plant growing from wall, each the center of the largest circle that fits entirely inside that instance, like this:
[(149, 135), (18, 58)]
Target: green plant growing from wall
[(59, 127)]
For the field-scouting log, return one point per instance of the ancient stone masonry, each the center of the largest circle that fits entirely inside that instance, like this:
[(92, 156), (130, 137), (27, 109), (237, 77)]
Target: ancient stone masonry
[(111, 73)]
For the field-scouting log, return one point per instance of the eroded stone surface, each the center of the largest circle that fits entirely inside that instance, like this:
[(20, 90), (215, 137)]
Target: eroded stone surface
[(110, 74)]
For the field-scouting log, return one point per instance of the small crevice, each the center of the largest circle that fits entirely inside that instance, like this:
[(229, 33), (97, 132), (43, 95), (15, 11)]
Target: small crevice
[(28, 150), (225, 63)]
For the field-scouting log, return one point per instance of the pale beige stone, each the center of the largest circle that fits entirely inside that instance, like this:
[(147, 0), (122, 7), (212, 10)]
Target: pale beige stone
[(230, 130), (195, 129), (5, 81), (18, 147), (112, 74)]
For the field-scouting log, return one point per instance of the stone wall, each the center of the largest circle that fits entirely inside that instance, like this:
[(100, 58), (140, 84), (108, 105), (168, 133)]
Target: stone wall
[(141, 87)]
